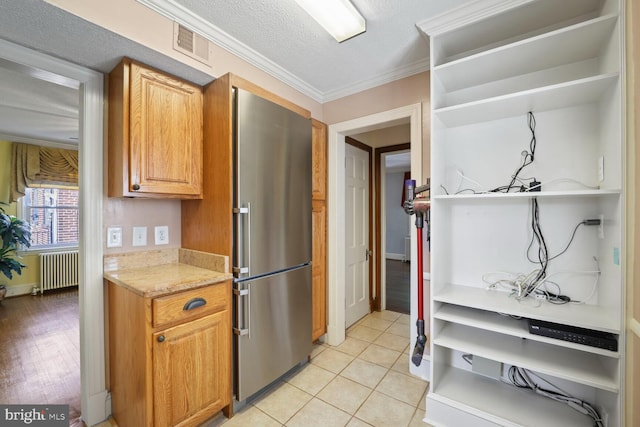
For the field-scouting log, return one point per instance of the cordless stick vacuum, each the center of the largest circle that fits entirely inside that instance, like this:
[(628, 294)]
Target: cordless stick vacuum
[(420, 207)]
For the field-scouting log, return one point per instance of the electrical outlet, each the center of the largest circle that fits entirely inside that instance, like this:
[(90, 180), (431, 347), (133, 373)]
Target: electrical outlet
[(139, 236), (114, 237), (162, 235), (601, 227), (601, 168)]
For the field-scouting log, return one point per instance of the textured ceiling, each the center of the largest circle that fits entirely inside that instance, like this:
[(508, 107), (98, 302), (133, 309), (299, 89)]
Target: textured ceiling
[(33, 108), (280, 35)]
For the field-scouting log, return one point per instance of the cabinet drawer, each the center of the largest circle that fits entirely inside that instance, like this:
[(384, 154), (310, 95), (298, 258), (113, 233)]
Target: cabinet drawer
[(191, 304)]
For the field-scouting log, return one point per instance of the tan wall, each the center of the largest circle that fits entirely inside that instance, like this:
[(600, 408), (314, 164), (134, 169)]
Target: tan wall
[(633, 212), (384, 137), (147, 27), (127, 213), (411, 90)]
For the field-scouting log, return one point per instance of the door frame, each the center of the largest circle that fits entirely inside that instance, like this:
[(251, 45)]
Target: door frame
[(381, 216), (95, 404), (364, 147), (336, 202)]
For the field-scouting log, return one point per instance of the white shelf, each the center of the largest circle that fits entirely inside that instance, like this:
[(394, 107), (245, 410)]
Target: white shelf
[(527, 195), (503, 404), (577, 92), (492, 321), (530, 19), (583, 316), (566, 45), (560, 362)]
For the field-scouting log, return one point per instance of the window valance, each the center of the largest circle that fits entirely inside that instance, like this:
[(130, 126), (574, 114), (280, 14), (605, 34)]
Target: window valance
[(36, 166)]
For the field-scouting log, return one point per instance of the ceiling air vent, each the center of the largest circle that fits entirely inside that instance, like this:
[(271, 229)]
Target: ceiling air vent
[(191, 44)]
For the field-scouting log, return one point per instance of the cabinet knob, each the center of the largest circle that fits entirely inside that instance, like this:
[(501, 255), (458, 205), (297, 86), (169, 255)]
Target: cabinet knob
[(161, 338), (136, 187)]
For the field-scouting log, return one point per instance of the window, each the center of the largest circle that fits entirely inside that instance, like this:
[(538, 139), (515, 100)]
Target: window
[(53, 216)]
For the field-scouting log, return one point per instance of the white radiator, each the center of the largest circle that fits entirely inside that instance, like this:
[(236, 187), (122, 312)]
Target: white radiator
[(58, 270)]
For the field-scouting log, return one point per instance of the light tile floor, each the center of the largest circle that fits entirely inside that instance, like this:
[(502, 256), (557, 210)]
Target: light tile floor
[(365, 381)]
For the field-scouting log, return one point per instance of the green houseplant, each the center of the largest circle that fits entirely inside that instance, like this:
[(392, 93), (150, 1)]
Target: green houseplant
[(13, 232)]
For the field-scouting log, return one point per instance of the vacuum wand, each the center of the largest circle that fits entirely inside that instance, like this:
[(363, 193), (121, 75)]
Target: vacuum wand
[(420, 207)]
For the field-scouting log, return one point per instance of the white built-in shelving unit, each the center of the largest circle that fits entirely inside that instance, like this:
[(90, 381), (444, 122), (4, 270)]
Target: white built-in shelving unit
[(562, 61)]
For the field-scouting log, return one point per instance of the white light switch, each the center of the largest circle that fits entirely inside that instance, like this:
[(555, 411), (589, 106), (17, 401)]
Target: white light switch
[(162, 235), (114, 237), (139, 236)]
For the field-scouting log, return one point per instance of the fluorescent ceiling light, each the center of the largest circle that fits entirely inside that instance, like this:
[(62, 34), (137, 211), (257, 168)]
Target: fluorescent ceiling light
[(339, 17)]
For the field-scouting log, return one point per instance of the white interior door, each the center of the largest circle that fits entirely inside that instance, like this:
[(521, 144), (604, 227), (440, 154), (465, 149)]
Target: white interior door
[(356, 234)]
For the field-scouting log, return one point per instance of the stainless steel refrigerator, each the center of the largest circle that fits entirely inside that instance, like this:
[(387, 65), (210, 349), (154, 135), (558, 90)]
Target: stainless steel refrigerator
[(272, 242)]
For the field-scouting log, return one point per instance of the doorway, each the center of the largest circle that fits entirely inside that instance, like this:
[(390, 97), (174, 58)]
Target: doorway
[(94, 397), (411, 114), (393, 245), (358, 262)]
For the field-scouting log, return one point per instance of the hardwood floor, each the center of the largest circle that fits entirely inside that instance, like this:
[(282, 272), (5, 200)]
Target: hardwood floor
[(397, 286), (40, 351)]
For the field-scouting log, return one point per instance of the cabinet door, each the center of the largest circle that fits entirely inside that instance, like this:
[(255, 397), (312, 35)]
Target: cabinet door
[(319, 270), (191, 371), (319, 158), (165, 134)]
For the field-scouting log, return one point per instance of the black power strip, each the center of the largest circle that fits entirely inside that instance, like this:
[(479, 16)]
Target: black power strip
[(574, 334)]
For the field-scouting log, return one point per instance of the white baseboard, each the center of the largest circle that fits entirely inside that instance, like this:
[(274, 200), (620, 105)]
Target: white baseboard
[(17, 290), (399, 257)]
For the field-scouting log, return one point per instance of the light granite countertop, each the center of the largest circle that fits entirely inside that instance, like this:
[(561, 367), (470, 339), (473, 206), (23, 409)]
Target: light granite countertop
[(162, 272)]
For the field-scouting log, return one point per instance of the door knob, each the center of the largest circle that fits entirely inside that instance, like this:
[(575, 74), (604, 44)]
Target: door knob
[(161, 338), (136, 187)]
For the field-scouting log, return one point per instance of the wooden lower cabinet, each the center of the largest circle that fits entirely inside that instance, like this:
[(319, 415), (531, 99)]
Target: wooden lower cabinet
[(176, 373)]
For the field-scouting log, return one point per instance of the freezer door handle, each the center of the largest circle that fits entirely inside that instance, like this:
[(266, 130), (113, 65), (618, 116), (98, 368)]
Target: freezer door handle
[(243, 254), (244, 315)]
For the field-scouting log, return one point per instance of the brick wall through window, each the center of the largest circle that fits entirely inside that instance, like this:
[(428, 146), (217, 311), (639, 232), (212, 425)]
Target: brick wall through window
[(53, 216)]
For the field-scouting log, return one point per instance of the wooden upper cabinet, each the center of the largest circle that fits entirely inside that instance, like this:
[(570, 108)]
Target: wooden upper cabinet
[(319, 138), (319, 270), (155, 134), (319, 221)]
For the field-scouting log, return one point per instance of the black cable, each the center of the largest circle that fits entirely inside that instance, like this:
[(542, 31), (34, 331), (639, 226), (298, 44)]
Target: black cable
[(543, 255), (526, 161), (573, 235)]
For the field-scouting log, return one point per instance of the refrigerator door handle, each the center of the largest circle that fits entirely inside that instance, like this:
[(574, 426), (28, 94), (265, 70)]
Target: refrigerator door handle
[(243, 255), (246, 318)]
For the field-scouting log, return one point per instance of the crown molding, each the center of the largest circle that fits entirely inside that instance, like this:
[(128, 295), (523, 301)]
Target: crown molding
[(466, 14), (183, 16), (397, 74)]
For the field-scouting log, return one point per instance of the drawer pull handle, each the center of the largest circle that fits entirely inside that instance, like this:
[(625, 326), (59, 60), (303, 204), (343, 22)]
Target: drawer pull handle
[(161, 338), (194, 303)]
